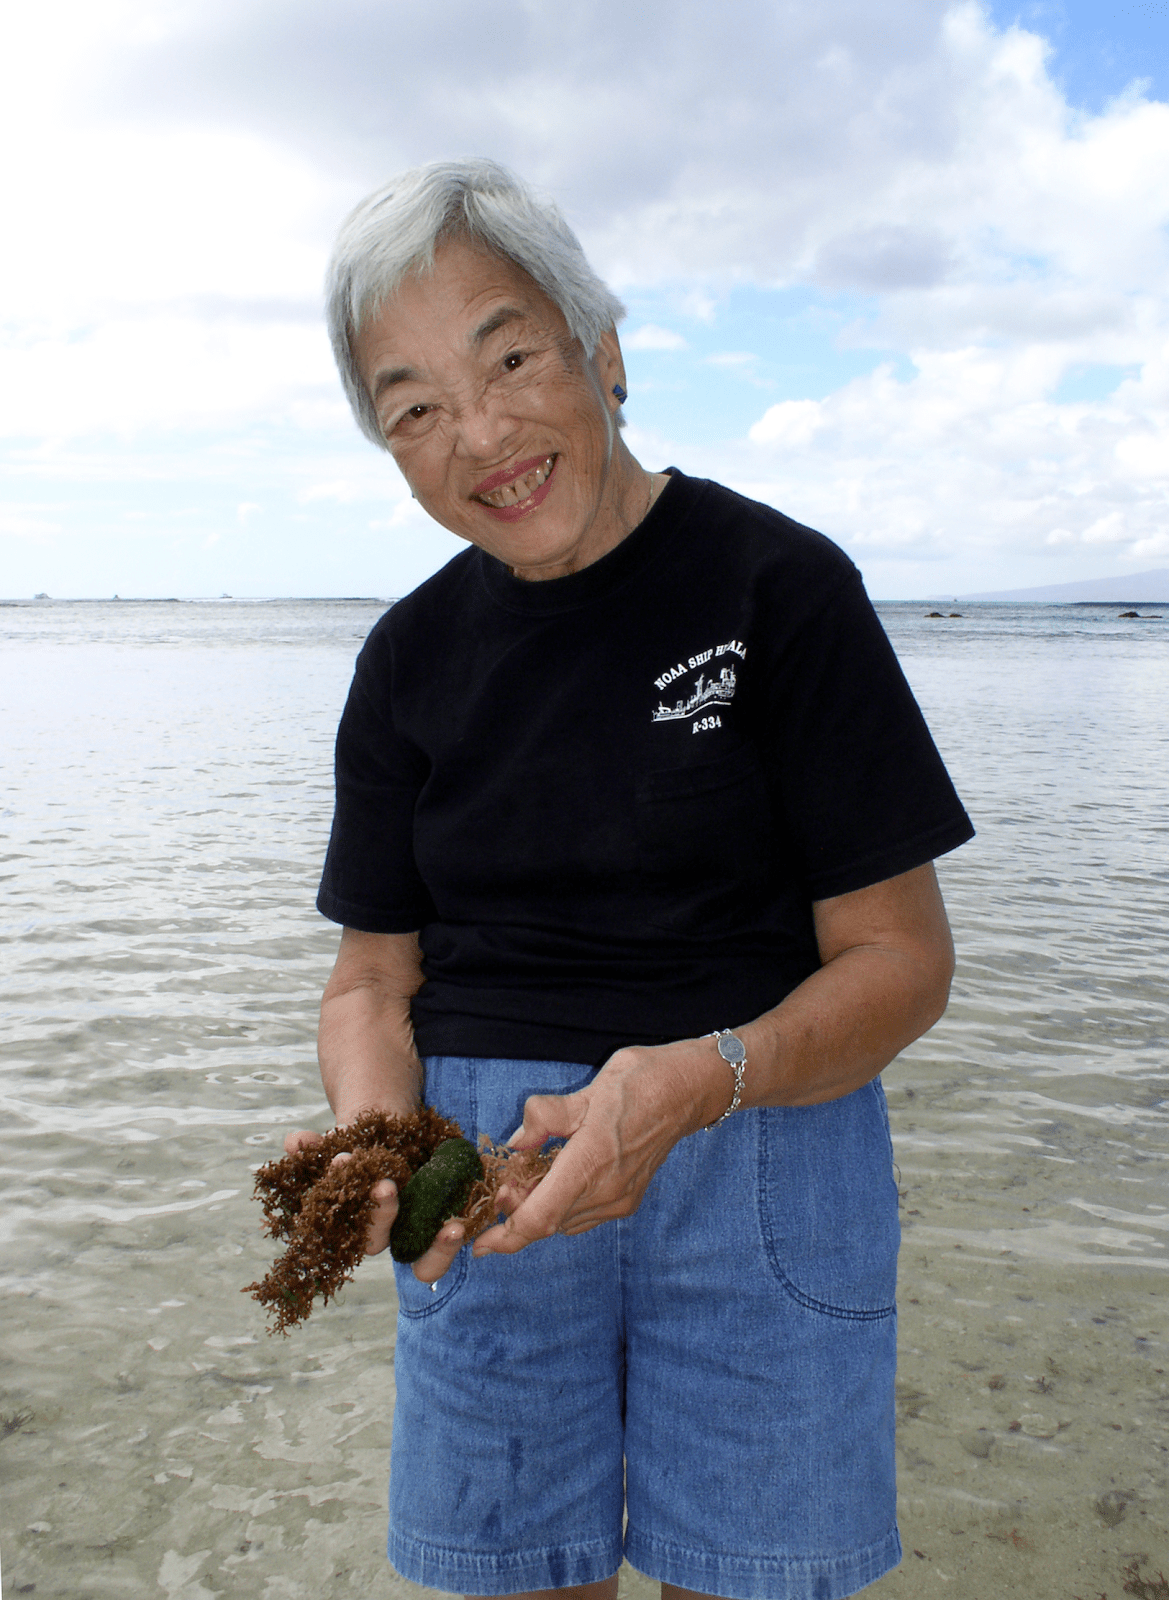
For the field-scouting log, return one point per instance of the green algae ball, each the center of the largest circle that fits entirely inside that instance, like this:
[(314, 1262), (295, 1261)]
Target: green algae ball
[(438, 1190)]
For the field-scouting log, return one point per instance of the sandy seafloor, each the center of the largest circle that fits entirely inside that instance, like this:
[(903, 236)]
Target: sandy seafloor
[(165, 803)]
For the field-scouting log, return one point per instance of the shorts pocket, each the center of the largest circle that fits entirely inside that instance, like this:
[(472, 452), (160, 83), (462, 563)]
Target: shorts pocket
[(828, 1203), (703, 841), (417, 1299)]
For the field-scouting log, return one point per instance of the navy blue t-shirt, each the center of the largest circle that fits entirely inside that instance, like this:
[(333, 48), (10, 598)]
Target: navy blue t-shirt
[(608, 800)]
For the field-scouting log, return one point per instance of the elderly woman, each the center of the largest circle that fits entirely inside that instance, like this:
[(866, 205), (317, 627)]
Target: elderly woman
[(633, 838)]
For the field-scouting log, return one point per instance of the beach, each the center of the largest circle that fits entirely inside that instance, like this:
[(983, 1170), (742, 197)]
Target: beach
[(167, 795)]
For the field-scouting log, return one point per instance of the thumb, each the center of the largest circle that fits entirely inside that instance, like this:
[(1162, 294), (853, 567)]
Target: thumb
[(549, 1116)]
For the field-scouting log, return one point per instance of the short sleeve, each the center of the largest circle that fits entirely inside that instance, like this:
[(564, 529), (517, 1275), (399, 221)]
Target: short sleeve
[(864, 793), (370, 879)]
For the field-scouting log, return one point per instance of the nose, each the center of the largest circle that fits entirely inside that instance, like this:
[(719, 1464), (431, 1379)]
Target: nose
[(484, 429)]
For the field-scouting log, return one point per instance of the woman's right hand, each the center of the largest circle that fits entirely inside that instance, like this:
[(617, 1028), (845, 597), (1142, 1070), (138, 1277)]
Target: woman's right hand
[(430, 1267)]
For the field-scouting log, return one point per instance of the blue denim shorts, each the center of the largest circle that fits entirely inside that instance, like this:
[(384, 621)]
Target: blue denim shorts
[(705, 1387)]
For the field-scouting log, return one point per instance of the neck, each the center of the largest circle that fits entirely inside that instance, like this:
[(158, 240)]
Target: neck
[(631, 492)]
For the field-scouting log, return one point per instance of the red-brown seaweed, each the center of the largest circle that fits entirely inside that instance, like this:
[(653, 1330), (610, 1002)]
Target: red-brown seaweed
[(323, 1210)]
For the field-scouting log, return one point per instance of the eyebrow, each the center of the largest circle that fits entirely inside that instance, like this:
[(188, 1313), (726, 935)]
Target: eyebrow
[(497, 319), (388, 380)]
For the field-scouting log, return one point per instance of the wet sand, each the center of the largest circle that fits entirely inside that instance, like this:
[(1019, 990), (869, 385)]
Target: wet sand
[(198, 1457), (1033, 1426)]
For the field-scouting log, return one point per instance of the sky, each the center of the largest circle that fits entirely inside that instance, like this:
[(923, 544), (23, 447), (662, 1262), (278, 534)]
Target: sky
[(900, 271)]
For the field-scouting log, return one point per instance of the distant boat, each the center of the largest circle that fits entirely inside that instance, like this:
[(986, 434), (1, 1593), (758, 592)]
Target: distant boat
[(225, 597), (42, 596)]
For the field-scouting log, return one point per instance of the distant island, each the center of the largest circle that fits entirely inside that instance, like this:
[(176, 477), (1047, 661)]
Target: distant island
[(1135, 588)]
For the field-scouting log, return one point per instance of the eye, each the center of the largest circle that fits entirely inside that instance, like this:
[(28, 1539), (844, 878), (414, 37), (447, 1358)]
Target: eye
[(514, 361), (412, 414)]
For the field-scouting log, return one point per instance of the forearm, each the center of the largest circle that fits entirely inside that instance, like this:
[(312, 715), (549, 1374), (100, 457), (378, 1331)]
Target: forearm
[(885, 979), (365, 1044), (841, 1027), (367, 1056), (831, 1035)]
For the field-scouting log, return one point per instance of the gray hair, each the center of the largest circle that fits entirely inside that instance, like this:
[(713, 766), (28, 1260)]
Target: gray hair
[(395, 231)]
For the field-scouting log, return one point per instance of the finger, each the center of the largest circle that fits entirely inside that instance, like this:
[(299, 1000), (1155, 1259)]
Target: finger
[(385, 1210), (511, 1197), (541, 1212), (549, 1116), (506, 1238), (303, 1140), (430, 1267)]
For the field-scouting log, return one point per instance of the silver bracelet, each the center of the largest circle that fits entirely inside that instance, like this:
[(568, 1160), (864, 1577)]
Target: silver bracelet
[(734, 1053)]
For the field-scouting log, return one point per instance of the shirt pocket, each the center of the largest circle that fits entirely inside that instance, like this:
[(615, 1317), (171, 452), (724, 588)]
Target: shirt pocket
[(828, 1203), (704, 842)]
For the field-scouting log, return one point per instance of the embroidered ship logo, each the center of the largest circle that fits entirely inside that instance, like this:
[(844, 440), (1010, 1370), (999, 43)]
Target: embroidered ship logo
[(707, 691)]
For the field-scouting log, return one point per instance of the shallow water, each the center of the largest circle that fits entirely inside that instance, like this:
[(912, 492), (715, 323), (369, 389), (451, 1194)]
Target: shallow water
[(166, 799)]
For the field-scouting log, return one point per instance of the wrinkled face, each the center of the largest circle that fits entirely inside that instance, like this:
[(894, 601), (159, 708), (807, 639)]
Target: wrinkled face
[(502, 427)]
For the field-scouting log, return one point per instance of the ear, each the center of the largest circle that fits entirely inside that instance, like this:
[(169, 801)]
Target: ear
[(610, 365)]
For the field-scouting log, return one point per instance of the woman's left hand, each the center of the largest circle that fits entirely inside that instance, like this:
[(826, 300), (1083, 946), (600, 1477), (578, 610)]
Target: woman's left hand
[(619, 1130), (887, 960)]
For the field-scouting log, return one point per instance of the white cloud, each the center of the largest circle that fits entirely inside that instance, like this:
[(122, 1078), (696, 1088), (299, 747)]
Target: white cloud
[(741, 364), (341, 492), (699, 304), (1109, 529), (965, 459), (22, 522), (791, 424), (885, 257), (182, 168), (650, 337), (161, 370)]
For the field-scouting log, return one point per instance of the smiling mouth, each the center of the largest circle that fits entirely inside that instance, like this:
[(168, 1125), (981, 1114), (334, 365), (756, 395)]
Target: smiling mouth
[(520, 488)]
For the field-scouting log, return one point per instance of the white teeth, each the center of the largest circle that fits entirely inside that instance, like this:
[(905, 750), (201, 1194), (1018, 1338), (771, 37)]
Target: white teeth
[(510, 494)]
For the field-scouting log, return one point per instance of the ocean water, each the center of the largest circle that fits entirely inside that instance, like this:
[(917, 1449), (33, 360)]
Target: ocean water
[(165, 802)]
